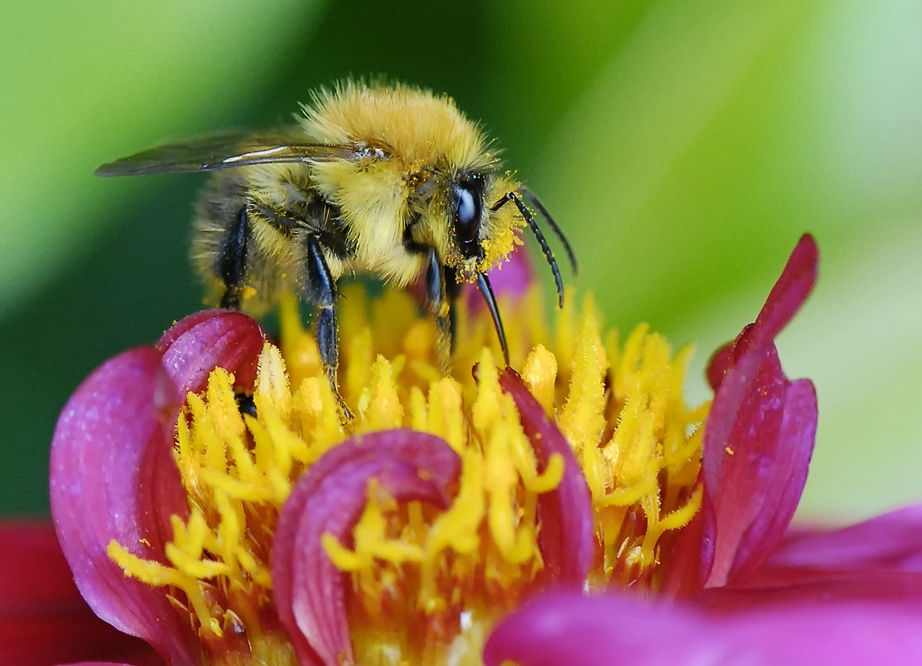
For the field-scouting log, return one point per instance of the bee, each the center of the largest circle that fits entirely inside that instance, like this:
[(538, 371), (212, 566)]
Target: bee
[(390, 180)]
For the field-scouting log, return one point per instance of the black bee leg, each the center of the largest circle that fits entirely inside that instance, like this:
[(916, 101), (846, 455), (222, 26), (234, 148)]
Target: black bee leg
[(452, 291), (319, 290), (232, 262), (439, 299)]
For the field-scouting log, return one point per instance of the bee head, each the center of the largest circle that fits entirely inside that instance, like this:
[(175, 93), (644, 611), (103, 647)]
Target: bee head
[(478, 236)]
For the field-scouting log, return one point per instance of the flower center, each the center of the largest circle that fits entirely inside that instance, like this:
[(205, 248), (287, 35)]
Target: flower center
[(425, 584)]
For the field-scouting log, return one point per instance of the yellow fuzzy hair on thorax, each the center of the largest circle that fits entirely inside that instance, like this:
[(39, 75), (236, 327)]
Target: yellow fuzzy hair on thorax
[(413, 125)]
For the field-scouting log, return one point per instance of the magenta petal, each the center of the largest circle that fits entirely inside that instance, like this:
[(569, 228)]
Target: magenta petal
[(558, 629), (198, 344), (309, 589), (567, 537), (892, 541), (789, 293), (759, 434), (113, 478), (785, 299), (513, 277), (737, 469), (615, 629), (747, 354), (785, 483), (754, 477), (778, 587)]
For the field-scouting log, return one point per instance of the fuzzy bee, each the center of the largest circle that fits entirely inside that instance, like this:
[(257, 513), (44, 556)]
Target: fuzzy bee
[(390, 180)]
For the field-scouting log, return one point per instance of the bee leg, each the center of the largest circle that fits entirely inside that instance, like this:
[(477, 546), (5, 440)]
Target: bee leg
[(319, 289), (453, 291), (439, 298), (232, 262)]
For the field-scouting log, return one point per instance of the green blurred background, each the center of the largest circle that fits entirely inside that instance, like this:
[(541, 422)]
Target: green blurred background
[(685, 146)]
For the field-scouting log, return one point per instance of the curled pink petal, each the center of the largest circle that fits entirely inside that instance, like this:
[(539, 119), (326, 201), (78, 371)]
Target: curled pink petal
[(615, 629), (567, 537), (309, 589), (113, 478), (759, 434), (195, 346), (892, 541)]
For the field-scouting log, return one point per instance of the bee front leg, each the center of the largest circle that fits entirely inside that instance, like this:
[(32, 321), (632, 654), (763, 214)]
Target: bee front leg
[(233, 260), (441, 292), (319, 289)]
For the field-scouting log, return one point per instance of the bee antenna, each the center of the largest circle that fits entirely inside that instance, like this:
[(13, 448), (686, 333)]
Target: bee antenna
[(542, 241), (483, 282), (534, 201)]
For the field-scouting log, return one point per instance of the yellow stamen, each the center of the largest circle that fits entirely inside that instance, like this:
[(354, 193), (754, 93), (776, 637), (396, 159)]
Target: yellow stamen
[(428, 583)]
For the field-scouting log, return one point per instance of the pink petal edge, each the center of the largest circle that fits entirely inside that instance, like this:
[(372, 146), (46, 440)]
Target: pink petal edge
[(796, 586), (195, 346), (892, 541), (113, 477), (567, 538)]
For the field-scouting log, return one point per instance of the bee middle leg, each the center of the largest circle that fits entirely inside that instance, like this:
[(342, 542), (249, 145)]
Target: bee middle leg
[(319, 289), (442, 290)]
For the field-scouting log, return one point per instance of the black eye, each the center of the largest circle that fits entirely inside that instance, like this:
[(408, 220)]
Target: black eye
[(467, 201)]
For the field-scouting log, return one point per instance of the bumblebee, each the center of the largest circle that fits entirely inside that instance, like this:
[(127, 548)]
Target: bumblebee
[(390, 180)]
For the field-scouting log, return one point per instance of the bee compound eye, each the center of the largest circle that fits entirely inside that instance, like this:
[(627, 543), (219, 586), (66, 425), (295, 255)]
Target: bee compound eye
[(468, 206)]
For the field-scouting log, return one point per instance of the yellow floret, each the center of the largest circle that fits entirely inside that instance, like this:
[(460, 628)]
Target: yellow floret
[(428, 583)]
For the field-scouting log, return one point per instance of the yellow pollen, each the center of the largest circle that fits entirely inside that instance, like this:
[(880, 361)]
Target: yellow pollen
[(427, 583)]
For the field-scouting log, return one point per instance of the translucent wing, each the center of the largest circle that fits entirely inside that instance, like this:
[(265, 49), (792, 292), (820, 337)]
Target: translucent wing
[(227, 151)]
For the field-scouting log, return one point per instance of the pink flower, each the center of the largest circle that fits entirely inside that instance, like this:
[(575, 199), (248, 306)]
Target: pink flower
[(229, 538)]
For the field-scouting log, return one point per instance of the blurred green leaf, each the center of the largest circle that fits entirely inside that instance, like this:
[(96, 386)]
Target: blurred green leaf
[(716, 134)]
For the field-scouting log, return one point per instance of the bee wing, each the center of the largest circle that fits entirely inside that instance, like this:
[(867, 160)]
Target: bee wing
[(226, 151)]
